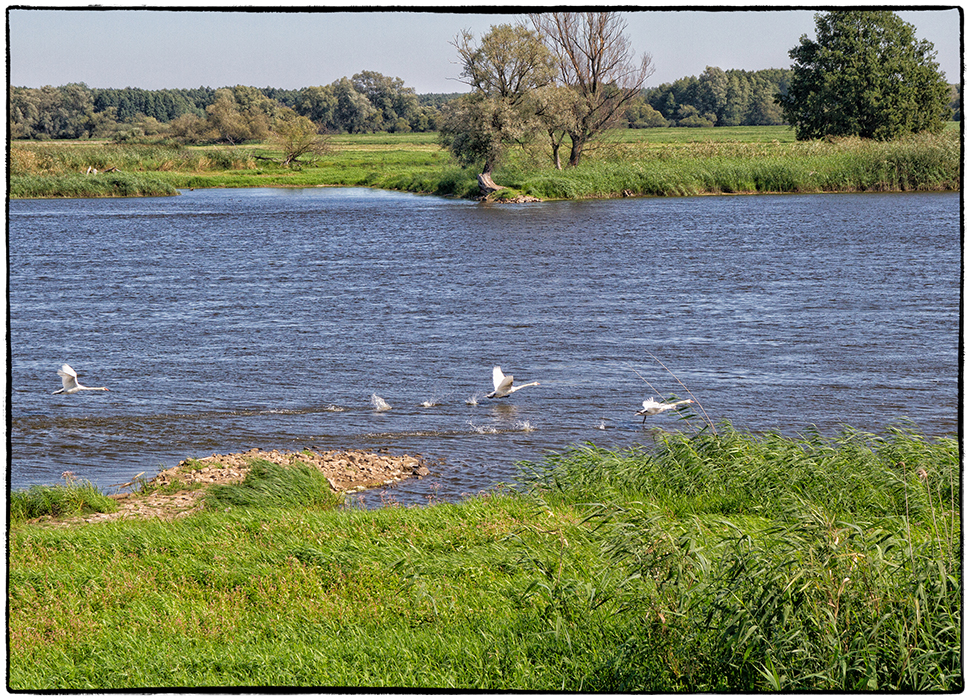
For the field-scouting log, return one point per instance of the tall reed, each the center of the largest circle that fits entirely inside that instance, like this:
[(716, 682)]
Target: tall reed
[(923, 162), (774, 563)]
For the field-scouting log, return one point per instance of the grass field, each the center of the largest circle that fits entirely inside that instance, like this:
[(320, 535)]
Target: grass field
[(643, 162), (703, 562)]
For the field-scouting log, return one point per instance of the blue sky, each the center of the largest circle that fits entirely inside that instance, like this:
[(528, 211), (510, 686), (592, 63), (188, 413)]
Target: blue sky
[(161, 48)]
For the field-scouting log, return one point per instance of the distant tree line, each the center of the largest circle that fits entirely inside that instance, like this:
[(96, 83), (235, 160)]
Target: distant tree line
[(367, 102), (715, 98)]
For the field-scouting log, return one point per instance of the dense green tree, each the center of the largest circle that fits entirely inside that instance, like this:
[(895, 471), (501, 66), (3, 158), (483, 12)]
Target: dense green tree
[(504, 70), (712, 91), (689, 115), (51, 112), (287, 98), (640, 115), (397, 104), (763, 107), (956, 101), (437, 99), (318, 103), (722, 98), (189, 128), (353, 112), (865, 74), (163, 105), (737, 98), (239, 114)]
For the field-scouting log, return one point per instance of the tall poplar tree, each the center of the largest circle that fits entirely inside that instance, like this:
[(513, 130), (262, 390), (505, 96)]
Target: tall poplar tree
[(864, 75)]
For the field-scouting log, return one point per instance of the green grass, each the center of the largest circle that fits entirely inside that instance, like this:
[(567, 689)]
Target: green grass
[(270, 485), (71, 498), (642, 162), (702, 562), (686, 135)]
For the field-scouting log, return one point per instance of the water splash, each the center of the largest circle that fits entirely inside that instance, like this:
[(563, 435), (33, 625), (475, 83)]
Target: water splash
[(525, 426), (472, 400), (483, 429), (379, 404)]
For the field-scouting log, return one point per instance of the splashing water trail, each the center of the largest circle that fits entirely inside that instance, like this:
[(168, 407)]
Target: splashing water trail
[(482, 429), (379, 404)]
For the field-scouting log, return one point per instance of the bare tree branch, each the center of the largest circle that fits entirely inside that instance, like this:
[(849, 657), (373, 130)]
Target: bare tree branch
[(596, 59)]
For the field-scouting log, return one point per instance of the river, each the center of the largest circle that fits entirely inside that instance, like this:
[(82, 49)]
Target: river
[(223, 320)]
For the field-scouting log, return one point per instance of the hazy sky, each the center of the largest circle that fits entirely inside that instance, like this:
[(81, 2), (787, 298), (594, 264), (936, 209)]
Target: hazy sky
[(160, 48)]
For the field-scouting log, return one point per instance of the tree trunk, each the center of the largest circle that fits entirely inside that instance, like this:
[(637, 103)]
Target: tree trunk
[(576, 152), (486, 185)]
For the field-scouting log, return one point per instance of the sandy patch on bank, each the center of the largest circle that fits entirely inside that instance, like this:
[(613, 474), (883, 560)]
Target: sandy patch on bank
[(347, 472)]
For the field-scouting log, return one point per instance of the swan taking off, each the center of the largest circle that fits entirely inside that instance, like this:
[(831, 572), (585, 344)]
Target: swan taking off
[(69, 380), (503, 384), (652, 408)]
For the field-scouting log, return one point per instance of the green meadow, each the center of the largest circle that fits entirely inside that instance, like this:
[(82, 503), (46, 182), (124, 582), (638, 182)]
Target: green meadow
[(665, 162), (696, 562)]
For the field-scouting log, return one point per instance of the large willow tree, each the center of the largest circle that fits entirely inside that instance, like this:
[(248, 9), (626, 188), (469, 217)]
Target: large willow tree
[(864, 75), (504, 70)]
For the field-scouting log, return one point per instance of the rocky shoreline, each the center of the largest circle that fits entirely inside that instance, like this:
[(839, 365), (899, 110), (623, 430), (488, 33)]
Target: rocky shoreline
[(347, 471)]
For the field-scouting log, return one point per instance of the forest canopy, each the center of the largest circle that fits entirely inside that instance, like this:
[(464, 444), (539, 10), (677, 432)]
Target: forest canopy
[(365, 103)]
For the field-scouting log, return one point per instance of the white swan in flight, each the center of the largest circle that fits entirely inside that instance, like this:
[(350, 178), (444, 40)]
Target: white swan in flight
[(652, 408), (503, 384), (71, 386)]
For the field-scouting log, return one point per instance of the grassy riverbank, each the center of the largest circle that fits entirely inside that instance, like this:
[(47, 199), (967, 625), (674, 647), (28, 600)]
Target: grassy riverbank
[(705, 562), (660, 162)]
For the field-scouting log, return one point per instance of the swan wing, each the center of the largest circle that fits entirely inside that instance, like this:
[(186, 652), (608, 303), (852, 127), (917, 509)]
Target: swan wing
[(499, 380), (505, 388), (68, 376)]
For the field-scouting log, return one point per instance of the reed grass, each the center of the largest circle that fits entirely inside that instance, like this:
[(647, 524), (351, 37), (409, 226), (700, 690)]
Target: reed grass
[(645, 162), (106, 185), (699, 562), (923, 162), (778, 564)]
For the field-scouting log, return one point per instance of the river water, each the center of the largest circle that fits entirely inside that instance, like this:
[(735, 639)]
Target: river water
[(223, 320)]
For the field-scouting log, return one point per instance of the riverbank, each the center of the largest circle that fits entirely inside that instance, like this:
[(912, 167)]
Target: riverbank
[(646, 162), (702, 562), (180, 490)]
